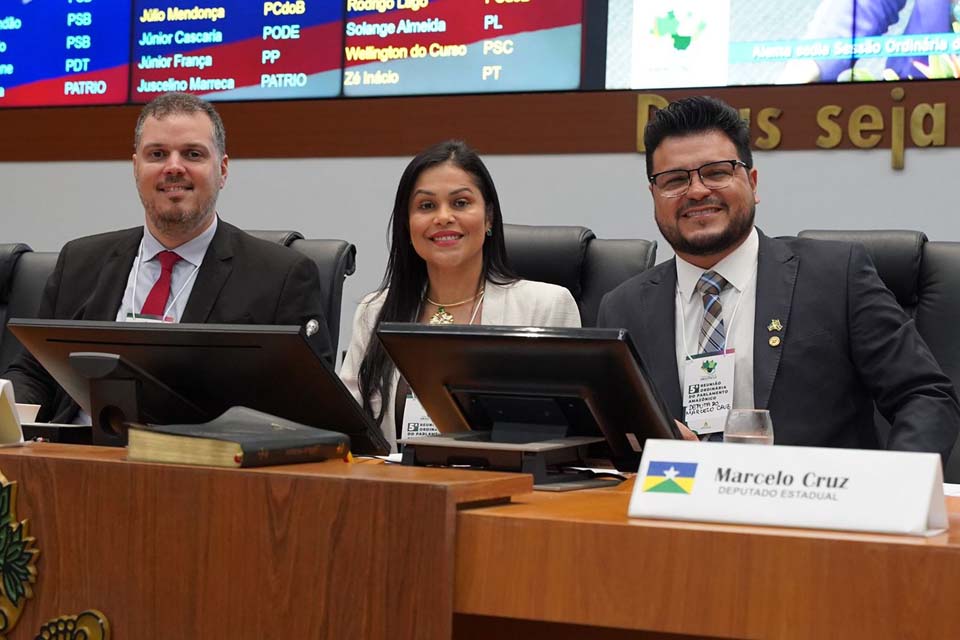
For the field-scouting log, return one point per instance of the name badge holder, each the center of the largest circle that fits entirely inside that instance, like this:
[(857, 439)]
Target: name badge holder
[(708, 391), (708, 380), (145, 317), (416, 422)]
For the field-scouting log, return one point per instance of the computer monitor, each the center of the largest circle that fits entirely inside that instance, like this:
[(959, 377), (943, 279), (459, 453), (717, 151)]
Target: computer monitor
[(528, 383), (199, 371)]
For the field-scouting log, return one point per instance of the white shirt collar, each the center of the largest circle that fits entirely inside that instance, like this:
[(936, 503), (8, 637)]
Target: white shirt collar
[(737, 268), (191, 251)]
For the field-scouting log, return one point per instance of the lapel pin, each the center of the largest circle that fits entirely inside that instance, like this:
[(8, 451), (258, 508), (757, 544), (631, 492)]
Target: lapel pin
[(774, 341), (775, 325)]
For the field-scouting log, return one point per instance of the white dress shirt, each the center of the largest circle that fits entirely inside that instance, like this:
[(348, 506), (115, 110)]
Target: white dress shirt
[(739, 304)]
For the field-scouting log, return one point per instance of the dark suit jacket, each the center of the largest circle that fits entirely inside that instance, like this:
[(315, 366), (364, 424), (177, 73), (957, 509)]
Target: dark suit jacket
[(243, 280), (846, 344)]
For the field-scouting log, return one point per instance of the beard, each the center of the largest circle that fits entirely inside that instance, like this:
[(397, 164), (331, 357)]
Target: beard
[(709, 244), (179, 219)]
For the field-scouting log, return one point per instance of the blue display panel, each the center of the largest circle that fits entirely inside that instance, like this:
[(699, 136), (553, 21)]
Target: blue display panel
[(407, 47), (237, 49), (64, 52)]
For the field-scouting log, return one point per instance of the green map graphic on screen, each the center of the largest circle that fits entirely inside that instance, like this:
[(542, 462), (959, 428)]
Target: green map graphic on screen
[(681, 30)]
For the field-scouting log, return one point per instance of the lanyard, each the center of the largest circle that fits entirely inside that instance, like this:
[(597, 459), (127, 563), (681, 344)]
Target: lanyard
[(136, 280), (683, 315), (476, 307)]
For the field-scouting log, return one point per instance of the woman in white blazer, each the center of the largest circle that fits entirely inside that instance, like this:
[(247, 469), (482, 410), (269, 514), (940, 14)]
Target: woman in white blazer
[(447, 265)]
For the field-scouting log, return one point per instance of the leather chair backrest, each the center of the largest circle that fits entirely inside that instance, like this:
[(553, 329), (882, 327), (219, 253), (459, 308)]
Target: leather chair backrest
[(552, 254), (283, 238), (25, 289), (938, 310), (897, 255), (574, 258), (610, 263), (938, 316), (9, 256), (335, 259)]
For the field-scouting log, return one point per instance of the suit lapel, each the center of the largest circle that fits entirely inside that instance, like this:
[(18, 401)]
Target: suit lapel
[(112, 282), (213, 274), (776, 277), (660, 337)]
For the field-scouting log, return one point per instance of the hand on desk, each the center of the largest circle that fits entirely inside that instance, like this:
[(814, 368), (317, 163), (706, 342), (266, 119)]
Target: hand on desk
[(686, 433)]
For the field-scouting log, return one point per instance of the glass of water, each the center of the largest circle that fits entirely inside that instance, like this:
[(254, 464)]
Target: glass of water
[(748, 426)]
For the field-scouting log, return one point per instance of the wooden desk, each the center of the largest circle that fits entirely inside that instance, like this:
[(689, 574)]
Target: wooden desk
[(574, 566), (324, 550), (332, 550)]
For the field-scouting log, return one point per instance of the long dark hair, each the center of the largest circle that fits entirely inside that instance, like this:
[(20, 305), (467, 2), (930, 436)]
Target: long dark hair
[(405, 279)]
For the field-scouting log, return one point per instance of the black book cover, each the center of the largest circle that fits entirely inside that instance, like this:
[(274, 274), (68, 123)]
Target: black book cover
[(263, 439)]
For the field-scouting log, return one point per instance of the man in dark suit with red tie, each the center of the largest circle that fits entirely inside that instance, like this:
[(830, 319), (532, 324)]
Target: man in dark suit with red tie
[(184, 264), (805, 328)]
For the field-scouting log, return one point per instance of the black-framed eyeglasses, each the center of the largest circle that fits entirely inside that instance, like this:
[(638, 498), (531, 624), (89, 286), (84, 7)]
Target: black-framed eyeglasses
[(713, 175)]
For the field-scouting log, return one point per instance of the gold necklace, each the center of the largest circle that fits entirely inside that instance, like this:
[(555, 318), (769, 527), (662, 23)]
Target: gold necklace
[(441, 316)]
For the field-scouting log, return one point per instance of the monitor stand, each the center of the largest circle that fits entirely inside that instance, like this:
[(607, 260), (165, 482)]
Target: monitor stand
[(120, 393), (511, 447)]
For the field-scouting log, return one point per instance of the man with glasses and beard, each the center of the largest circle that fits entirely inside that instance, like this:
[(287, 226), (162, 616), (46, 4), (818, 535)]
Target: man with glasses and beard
[(184, 264), (803, 328)]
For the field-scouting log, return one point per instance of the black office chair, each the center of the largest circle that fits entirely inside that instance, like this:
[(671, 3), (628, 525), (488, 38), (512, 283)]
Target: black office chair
[(281, 237), (335, 259), (925, 278), (9, 256), (896, 254), (575, 258), (27, 276)]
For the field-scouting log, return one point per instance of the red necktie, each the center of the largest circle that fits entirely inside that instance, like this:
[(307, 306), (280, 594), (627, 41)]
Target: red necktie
[(157, 300)]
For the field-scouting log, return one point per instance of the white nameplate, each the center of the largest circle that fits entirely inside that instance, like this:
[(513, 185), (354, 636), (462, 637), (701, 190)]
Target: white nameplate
[(849, 489), (10, 429)]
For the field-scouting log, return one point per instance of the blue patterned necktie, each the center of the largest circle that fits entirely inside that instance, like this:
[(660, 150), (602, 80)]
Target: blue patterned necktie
[(712, 333)]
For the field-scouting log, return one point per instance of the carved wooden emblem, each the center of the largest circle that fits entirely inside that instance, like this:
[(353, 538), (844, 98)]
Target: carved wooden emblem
[(18, 559), (89, 625)]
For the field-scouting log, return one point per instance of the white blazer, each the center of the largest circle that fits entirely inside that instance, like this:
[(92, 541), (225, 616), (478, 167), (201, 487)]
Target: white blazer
[(521, 303)]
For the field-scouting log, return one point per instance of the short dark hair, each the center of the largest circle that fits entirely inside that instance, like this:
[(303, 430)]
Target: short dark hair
[(174, 103), (696, 115), (405, 279)]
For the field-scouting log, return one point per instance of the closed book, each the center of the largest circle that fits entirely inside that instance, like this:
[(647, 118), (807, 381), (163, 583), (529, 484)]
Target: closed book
[(240, 437)]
